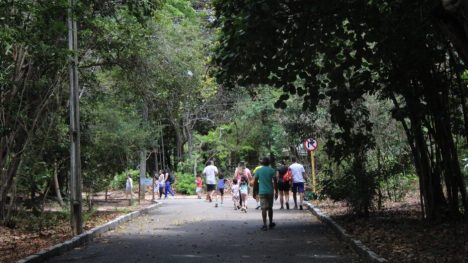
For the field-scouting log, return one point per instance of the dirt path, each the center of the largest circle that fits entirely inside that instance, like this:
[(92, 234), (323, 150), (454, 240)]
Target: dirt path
[(192, 230)]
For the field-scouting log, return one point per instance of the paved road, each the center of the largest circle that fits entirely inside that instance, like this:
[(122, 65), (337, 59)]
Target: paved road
[(192, 230)]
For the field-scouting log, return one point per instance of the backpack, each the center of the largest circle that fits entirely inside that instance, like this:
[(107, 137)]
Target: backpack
[(287, 176), (171, 178)]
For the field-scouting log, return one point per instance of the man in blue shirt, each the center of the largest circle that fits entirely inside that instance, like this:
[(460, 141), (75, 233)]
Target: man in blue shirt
[(266, 185)]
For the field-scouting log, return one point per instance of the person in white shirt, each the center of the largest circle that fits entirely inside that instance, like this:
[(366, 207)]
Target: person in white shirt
[(161, 183), (235, 191), (298, 179), (129, 187), (210, 173)]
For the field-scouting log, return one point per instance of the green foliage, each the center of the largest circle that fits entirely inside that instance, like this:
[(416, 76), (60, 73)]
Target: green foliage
[(342, 52), (118, 182), (185, 183), (396, 187)]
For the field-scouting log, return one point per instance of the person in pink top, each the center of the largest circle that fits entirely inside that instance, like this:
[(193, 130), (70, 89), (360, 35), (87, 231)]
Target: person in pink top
[(199, 186), (242, 171)]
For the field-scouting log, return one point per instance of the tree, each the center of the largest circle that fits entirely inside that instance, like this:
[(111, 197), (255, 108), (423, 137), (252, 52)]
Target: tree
[(33, 55), (343, 50)]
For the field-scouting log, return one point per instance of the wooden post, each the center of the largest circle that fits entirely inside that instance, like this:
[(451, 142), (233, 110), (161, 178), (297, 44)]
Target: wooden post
[(312, 161), (75, 159)]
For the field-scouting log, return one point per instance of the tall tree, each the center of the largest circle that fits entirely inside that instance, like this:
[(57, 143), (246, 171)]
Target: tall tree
[(33, 55), (342, 50)]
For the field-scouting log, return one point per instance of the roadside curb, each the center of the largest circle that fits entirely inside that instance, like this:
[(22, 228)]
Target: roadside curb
[(83, 238), (358, 246)]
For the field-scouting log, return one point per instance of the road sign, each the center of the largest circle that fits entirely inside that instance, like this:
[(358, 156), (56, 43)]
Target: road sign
[(146, 181), (311, 144)]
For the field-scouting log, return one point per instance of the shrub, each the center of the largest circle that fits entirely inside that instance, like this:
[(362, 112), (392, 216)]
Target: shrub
[(118, 182), (185, 183)]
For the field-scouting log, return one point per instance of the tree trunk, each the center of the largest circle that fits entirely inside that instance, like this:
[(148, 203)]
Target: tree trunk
[(56, 184), (6, 186), (180, 140), (438, 105), (453, 21)]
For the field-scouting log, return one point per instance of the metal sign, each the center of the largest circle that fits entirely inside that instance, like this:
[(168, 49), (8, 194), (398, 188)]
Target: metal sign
[(311, 144)]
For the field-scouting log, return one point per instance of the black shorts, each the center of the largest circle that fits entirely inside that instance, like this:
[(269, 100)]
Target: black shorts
[(221, 191), (282, 186), (210, 187)]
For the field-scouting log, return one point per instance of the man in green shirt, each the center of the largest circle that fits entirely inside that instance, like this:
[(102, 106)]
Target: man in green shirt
[(265, 185)]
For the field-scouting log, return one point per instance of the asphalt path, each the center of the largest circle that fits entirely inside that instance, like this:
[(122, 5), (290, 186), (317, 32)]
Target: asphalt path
[(193, 230)]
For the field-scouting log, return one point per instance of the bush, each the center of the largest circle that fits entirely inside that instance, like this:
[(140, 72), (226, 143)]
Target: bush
[(397, 186), (185, 183), (352, 184), (118, 182)]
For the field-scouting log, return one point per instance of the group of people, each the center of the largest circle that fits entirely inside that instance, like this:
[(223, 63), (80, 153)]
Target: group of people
[(163, 184), (265, 183)]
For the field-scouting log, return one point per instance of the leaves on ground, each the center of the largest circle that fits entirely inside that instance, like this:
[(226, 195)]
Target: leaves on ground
[(398, 234), (26, 239)]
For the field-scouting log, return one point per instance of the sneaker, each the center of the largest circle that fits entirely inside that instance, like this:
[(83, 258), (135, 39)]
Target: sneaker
[(281, 208), (300, 207), (295, 207), (287, 206), (264, 228), (258, 207), (216, 205), (272, 225)]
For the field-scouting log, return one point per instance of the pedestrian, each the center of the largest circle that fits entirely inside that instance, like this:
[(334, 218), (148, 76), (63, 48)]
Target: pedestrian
[(156, 183), (257, 197), (161, 183), (284, 184), (298, 179), (220, 188), (169, 179), (241, 171), (235, 193), (210, 173), (129, 187), (199, 186), (267, 187), (244, 192)]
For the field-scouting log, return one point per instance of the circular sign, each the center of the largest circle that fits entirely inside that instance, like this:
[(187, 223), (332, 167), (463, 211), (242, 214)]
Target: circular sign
[(311, 144)]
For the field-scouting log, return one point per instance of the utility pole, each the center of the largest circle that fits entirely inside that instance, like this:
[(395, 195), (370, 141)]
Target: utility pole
[(142, 186), (76, 218)]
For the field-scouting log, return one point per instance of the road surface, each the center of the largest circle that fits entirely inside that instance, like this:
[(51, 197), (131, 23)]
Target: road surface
[(193, 230)]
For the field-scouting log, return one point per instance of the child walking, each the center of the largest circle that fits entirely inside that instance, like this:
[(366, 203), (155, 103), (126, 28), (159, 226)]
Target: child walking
[(244, 190), (161, 183), (220, 188), (199, 187), (235, 193)]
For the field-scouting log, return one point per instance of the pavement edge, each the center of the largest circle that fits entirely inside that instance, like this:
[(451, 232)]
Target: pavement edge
[(83, 238), (358, 246)]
